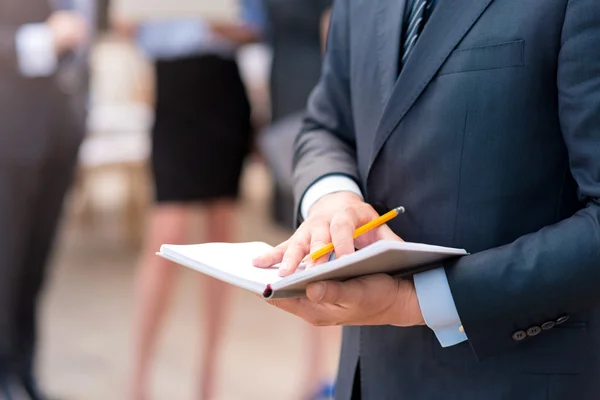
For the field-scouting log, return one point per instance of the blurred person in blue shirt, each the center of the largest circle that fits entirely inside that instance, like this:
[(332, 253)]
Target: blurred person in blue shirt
[(201, 136)]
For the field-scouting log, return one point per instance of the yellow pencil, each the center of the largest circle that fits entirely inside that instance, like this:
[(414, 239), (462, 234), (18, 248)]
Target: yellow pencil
[(361, 231)]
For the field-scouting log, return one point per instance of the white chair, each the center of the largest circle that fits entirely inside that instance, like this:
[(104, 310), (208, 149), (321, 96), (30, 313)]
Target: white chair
[(118, 132)]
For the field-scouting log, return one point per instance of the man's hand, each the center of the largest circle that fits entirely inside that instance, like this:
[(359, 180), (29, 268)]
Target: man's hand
[(332, 219), (370, 300), (69, 30)]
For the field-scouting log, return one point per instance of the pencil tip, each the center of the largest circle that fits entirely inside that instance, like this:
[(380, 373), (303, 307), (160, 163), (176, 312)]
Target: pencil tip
[(401, 210)]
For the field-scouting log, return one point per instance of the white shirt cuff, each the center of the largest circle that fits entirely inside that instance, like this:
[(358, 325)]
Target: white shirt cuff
[(438, 307), (324, 186), (35, 51)]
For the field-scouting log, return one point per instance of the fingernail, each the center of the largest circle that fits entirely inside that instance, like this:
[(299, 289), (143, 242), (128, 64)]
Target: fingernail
[(283, 269), (259, 261), (316, 291)]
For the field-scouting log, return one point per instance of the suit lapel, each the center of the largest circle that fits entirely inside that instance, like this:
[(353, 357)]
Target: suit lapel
[(449, 23), (390, 17)]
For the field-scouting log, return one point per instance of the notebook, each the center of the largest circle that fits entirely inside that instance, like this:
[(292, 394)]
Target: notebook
[(232, 263)]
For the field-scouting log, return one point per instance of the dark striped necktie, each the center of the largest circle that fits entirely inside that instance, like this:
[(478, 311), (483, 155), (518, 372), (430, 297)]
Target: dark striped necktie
[(417, 17)]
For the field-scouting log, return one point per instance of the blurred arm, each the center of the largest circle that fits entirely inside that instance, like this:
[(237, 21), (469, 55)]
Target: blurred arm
[(239, 34), (252, 28)]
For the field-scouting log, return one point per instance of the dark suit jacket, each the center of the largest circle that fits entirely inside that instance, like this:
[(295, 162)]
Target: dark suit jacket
[(31, 107), (490, 138)]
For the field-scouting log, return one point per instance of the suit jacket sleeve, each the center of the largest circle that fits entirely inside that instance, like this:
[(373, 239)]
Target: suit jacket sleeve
[(8, 52), (326, 144), (555, 271)]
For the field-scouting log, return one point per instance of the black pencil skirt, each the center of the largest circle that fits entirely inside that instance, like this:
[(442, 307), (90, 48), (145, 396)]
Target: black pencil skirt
[(202, 130)]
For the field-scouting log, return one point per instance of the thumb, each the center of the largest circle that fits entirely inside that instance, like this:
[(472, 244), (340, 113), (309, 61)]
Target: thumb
[(327, 292)]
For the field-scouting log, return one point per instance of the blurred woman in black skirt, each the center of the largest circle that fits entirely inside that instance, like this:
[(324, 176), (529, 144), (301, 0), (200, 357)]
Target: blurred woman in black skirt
[(200, 138)]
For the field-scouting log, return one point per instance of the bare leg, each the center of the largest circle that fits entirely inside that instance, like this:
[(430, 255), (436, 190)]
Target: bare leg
[(154, 283), (320, 343), (314, 371), (215, 295)]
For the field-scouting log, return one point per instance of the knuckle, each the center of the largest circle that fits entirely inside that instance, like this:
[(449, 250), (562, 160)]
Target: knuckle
[(367, 214), (366, 207), (317, 244), (301, 231), (321, 237), (344, 244), (318, 321), (346, 240), (295, 243), (274, 303), (349, 212), (361, 298), (335, 294), (282, 245), (340, 224), (362, 301), (298, 240)]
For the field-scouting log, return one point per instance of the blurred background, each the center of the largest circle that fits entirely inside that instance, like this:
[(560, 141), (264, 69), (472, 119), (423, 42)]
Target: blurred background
[(90, 329)]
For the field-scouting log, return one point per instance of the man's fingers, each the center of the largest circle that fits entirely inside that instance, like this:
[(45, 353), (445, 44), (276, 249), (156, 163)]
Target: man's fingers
[(382, 233), (290, 305), (272, 257), (298, 247), (385, 233), (309, 311), (320, 237), (329, 292), (342, 228), (352, 293)]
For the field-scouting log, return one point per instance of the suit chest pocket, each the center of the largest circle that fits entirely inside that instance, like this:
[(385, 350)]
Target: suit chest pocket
[(488, 57)]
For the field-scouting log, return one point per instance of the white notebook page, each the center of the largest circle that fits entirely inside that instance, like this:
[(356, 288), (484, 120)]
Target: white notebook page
[(232, 258)]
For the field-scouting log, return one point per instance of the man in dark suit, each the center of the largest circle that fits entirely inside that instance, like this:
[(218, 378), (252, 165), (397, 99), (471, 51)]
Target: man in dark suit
[(482, 118), (42, 106)]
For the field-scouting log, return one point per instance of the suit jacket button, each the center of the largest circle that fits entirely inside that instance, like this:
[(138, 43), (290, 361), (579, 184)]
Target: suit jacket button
[(533, 331), (562, 320), (519, 335), (548, 325)]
